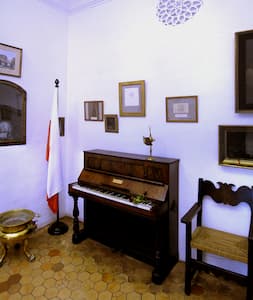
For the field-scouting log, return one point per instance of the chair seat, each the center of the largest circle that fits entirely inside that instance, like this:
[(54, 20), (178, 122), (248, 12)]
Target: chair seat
[(220, 243)]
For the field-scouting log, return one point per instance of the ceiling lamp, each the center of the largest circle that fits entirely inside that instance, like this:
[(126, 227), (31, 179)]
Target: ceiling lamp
[(174, 12)]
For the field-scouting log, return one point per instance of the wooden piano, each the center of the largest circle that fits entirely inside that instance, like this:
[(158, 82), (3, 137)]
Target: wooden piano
[(111, 184)]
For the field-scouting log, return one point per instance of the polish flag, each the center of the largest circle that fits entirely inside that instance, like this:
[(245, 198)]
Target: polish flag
[(53, 156)]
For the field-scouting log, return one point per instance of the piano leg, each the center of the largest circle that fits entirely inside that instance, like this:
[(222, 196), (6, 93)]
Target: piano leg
[(78, 235), (161, 265), (157, 277)]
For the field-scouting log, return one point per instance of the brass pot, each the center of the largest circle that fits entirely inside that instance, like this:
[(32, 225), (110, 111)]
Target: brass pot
[(15, 220)]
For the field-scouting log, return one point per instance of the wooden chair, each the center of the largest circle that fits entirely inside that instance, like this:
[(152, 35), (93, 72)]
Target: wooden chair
[(218, 242)]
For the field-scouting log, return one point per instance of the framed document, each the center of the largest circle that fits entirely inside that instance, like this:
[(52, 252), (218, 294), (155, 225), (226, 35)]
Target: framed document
[(182, 109), (132, 98)]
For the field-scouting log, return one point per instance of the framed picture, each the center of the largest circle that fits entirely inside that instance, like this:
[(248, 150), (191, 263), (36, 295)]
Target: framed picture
[(182, 109), (235, 146), (93, 110), (132, 98), (111, 123), (12, 114), (244, 71), (10, 60)]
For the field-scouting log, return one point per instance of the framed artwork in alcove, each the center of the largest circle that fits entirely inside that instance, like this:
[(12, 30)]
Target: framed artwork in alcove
[(12, 114), (235, 146)]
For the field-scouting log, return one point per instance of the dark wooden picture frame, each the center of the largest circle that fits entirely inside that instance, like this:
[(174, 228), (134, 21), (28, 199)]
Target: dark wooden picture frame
[(111, 123), (12, 114), (93, 110), (132, 98), (244, 71), (182, 109), (10, 60), (235, 146)]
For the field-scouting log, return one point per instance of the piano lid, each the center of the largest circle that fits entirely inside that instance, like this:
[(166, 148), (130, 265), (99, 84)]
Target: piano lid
[(152, 191)]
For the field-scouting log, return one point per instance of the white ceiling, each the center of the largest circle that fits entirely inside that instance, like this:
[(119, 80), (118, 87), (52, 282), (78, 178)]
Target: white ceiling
[(73, 5)]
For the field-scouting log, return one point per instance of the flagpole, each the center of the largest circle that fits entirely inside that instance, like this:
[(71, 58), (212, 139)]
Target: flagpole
[(57, 227)]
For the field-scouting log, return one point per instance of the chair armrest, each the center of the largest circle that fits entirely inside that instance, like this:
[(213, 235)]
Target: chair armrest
[(191, 213)]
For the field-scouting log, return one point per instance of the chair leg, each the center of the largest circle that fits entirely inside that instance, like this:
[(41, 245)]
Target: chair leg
[(199, 255), (187, 284), (249, 291)]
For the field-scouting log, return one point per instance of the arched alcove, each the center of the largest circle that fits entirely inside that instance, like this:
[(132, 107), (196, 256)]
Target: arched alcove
[(12, 114)]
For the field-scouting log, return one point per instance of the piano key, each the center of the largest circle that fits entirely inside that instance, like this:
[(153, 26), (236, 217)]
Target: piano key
[(121, 198)]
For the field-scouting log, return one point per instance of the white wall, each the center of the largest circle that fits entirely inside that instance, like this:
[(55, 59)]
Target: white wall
[(123, 41), (116, 42), (41, 32)]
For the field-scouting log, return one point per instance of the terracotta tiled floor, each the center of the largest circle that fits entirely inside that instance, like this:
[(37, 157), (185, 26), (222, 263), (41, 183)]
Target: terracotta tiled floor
[(90, 271)]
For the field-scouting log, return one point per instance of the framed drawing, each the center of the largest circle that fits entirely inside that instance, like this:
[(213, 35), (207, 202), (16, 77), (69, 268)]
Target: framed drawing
[(93, 110), (182, 109), (10, 60), (132, 98), (244, 71), (12, 114), (111, 123)]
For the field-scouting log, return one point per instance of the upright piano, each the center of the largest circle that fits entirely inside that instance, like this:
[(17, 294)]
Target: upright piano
[(130, 204)]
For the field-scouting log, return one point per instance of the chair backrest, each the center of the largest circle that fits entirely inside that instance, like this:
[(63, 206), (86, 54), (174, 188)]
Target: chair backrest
[(225, 194)]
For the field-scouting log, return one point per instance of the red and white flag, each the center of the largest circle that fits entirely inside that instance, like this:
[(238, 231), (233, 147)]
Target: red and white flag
[(53, 156)]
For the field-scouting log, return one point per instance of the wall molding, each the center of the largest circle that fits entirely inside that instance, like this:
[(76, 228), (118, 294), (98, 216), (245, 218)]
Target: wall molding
[(73, 6)]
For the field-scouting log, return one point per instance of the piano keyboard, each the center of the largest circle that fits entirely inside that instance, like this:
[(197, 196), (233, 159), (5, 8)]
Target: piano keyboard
[(113, 196)]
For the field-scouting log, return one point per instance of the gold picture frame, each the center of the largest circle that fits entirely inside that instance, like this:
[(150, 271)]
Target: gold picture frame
[(10, 60), (111, 123), (93, 110), (182, 109), (132, 98), (234, 146)]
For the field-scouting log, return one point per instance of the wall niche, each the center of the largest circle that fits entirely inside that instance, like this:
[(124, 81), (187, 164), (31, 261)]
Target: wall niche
[(236, 146), (12, 114)]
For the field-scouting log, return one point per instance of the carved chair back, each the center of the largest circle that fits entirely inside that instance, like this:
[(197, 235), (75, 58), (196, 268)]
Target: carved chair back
[(225, 194)]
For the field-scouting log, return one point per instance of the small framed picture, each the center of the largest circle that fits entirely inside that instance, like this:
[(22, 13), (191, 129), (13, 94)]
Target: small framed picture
[(93, 110), (10, 60), (111, 123), (182, 109), (132, 98)]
